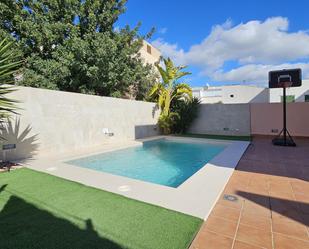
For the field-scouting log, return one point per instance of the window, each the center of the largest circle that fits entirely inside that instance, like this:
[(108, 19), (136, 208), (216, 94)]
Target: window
[(148, 49), (288, 98), (306, 98)]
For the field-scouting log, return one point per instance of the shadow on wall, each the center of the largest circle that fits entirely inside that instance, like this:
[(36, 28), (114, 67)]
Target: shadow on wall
[(27, 226), (26, 144), (143, 131), (154, 110)]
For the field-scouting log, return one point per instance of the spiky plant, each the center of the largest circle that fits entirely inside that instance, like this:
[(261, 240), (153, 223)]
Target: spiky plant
[(8, 66), (168, 90)]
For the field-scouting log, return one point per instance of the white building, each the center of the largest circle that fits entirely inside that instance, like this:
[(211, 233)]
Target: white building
[(294, 94), (238, 94), (231, 94)]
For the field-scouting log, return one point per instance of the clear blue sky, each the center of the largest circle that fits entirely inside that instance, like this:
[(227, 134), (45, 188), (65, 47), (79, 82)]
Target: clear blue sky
[(240, 49)]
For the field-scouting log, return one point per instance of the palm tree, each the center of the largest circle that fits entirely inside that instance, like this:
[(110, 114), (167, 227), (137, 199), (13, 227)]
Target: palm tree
[(168, 90), (8, 66)]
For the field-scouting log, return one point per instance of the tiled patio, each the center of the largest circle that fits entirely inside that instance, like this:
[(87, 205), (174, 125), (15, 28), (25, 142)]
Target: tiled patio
[(272, 210)]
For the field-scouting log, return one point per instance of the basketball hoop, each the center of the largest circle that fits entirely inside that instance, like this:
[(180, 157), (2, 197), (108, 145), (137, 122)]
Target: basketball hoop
[(284, 79), (285, 84)]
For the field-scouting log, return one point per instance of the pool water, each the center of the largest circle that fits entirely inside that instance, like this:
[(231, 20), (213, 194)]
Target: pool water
[(165, 162)]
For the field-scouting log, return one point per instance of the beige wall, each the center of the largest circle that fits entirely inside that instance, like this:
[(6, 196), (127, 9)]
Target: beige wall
[(53, 122), (150, 58), (268, 117)]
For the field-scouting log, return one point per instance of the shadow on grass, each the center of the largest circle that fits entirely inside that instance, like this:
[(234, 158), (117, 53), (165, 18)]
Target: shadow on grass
[(23, 225)]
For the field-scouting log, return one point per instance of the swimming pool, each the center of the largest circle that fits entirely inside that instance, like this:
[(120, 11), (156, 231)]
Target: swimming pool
[(168, 162)]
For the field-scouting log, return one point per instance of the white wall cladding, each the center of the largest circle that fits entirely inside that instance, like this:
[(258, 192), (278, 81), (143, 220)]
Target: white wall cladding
[(221, 119), (52, 122)]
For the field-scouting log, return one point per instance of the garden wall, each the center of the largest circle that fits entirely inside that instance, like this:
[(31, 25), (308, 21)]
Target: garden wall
[(266, 119), (222, 119), (52, 122)]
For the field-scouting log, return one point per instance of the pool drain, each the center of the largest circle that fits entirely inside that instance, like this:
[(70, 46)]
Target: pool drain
[(232, 198)]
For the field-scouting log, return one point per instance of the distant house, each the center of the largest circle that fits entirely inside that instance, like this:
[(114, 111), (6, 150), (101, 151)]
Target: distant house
[(240, 94), (149, 53), (231, 94), (294, 94)]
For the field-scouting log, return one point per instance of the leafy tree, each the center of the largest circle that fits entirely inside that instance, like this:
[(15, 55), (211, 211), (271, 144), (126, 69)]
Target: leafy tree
[(187, 112), (8, 66), (71, 45), (168, 90)]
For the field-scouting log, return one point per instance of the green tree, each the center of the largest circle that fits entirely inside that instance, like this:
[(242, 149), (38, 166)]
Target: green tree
[(8, 66), (72, 45), (168, 90), (187, 112)]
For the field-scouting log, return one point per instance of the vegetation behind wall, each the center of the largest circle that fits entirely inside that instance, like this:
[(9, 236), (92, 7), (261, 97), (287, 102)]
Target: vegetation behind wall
[(73, 46)]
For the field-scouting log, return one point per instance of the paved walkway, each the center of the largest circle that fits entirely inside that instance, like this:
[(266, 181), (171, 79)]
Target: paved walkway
[(272, 210)]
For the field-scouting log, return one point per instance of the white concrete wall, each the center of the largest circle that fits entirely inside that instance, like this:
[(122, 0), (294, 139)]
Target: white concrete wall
[(232, 94), (53, 122), (298, 92), (221, 119), (244, 94)]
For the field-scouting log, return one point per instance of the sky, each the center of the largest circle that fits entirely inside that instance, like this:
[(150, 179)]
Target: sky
[(226, 41)]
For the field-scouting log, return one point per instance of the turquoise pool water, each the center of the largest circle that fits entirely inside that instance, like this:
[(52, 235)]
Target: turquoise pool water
[(165, 162)]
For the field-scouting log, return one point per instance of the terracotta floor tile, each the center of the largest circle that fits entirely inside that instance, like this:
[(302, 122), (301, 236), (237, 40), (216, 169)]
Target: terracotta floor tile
[(232, 204), (303, 201), (260, 181), (272, 184), (226, 212), (258, 189), (260, 222), (290, 228), (254, 236), (283, 242), (305, 220), (258, 199), (302, 197), (256, 209), (210, 240), (221, 226), (234, 190), (282, 195), (284, 207), (243, 245)]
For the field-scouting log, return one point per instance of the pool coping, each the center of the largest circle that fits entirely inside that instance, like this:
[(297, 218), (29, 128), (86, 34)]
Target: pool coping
[(196, 196)]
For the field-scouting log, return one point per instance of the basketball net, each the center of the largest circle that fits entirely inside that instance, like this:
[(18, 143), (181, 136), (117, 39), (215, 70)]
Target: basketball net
[(285, 84)]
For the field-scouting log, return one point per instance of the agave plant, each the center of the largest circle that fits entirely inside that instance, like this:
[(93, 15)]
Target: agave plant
[(168, 90), (8, 66)]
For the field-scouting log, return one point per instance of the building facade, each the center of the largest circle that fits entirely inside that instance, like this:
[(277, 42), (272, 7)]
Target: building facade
[(149, 53), (240, 94), (231, 94), (294, 94)]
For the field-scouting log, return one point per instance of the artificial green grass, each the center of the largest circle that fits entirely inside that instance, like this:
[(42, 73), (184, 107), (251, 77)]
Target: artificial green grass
[(219, 137), (40, 211)]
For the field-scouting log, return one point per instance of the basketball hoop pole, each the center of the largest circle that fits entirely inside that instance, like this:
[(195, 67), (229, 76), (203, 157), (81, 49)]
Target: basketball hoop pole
[(284, 114), (283, 79), (285, 132)]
